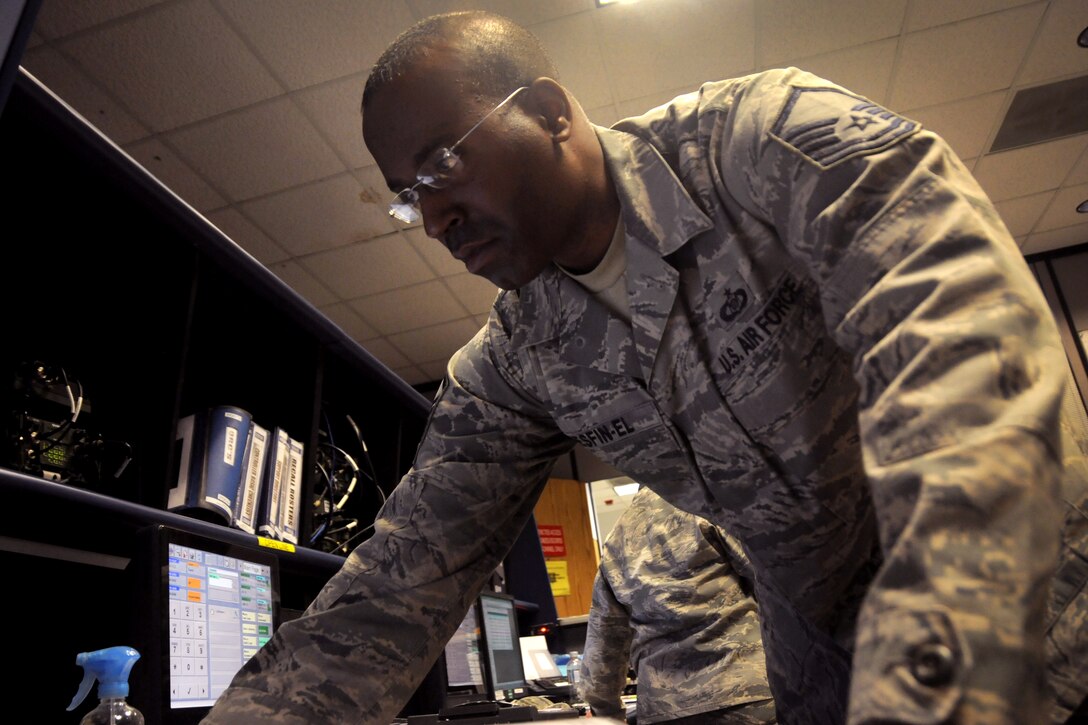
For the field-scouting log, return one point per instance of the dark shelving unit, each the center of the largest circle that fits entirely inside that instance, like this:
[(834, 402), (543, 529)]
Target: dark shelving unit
[(109, 275), (157, 314)]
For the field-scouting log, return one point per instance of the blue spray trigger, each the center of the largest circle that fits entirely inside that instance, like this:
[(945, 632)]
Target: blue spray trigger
[(84, 688), (110, 667)]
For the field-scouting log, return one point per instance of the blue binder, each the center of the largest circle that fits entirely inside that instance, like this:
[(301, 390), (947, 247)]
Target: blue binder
[(211, 448)]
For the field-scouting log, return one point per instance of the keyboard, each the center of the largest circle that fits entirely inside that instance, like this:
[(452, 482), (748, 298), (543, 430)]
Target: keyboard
[(558, 713), (556, 686)]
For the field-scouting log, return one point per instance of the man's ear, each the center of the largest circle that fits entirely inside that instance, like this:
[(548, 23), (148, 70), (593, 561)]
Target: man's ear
[(552, 106)]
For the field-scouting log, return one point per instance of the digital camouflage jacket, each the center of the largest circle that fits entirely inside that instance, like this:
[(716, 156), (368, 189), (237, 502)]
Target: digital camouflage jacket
[(668, 600), (836, 353)]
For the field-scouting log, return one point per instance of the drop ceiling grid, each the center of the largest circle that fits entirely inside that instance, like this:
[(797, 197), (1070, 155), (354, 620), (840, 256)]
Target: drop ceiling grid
[(249, 110)]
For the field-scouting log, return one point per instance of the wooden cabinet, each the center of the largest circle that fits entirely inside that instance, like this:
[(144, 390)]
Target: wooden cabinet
[(563, 507)]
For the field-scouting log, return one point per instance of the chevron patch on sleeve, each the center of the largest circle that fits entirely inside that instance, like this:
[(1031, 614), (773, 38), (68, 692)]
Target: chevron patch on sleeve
[(830, 125)]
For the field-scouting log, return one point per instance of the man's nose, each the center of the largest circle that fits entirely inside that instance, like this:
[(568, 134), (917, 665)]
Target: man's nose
[(440, 213)]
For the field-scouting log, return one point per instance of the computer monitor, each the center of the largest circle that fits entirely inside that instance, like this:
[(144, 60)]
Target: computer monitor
[(463, 676), (499, 619), (212, 604)]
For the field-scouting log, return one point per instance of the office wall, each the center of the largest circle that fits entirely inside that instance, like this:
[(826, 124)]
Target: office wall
[(1062, 278)]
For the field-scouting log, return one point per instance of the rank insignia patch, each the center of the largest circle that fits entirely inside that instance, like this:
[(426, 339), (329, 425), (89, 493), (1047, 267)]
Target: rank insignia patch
[(735, 302), (829, 125)]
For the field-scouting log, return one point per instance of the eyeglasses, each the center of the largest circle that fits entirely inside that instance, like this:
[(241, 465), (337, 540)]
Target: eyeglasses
[(441, 167)]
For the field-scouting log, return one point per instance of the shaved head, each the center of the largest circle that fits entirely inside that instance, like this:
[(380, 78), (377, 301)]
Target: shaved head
[(498, 54)]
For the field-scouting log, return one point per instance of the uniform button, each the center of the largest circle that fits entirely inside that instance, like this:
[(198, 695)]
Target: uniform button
[(932, 664)]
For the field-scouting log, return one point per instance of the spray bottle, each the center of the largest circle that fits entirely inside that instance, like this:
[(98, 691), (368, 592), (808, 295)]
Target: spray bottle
[(110, 667)]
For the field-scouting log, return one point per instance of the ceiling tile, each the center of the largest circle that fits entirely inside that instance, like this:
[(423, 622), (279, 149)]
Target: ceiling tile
[(374, 196), (436, 342), (412, 375), (1062, 212), (801, 28), (303, 47), (178, 63), (165, 166), (574, 47), (962, 59), (303, 282), (261, 149), (334, 109), (639, 106), (370, 267), (246, 235), (390, 356), (83, 94), (1055, 52), (1056, 239), (1079, 174), (475, 293), (349, 321), (525, 12), (603, 116), (648, 45), (57, 19), (409, 308), (928, 13), (1021, 214), (434, 253), (321, 215), (435, 370), (966, 125), (1028, 170), (864, 69)]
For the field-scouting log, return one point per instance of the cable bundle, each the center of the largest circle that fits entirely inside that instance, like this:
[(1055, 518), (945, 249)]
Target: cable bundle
[(335, 530)]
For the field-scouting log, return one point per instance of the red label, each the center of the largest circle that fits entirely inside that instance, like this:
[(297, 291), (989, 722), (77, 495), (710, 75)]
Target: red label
[(551, 540)]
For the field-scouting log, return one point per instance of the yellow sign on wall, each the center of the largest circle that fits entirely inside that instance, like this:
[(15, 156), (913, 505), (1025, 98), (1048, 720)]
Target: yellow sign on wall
[(557, 575)]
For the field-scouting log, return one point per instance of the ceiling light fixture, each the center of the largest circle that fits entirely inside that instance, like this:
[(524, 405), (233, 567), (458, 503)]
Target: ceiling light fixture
[(1082, 39), (1083, 207), (626, 489), (602, 3)]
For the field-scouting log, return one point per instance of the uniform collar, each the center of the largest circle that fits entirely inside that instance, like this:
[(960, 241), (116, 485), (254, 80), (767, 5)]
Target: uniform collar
[(656, 208), (659, 217)]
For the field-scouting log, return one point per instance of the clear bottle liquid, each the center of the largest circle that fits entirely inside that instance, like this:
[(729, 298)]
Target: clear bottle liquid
[(574, 676), (113, 711)]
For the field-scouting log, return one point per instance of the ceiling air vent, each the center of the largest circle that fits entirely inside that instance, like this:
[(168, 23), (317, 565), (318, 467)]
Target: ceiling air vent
[(1044, 113)]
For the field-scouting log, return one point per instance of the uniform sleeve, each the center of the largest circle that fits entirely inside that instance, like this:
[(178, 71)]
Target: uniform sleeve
[(607, 651), (361, 648), (960, 371)]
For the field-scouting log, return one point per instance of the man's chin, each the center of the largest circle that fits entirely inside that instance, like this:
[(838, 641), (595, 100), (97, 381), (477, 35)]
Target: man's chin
[(503, 279), (503, 284)]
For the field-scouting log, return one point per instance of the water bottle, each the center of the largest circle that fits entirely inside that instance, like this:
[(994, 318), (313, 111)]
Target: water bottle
[(574, 676), (110, 667)]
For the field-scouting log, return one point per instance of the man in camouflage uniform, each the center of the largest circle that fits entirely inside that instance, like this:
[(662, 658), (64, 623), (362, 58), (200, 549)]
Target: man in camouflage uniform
[(824, 340), (669, 599)]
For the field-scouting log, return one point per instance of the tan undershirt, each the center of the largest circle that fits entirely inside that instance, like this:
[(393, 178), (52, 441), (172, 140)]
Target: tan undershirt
[(607, 282)]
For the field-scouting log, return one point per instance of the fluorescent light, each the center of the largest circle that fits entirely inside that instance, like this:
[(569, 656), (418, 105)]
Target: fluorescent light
[(626, 489), (602, 3)]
